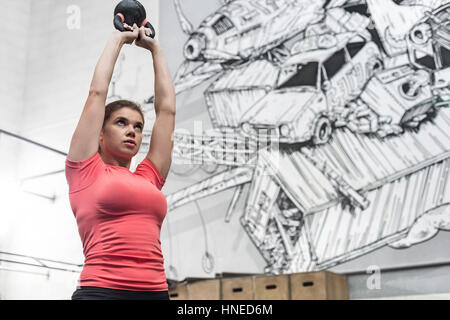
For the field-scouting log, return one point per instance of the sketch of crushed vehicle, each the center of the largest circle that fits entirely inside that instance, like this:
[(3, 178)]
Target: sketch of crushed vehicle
[(315, 208), (238, 31), (232, 94), (313, 87), (294, 222), (407, 98), (410, 91), (429, 48), (241, 30)]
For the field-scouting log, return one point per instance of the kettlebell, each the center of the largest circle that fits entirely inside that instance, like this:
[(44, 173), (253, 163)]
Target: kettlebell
[(131, 12)]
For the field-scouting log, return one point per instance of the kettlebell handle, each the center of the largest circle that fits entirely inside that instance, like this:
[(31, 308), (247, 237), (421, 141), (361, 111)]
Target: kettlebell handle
[(119, 19)]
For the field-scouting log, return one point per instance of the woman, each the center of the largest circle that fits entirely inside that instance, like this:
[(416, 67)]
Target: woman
[(119, 213)]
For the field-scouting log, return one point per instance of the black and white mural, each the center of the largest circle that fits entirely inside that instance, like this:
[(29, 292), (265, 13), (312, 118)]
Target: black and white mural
[(336, 115)]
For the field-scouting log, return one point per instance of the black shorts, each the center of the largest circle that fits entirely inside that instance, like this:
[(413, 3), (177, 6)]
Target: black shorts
[(95, 293)]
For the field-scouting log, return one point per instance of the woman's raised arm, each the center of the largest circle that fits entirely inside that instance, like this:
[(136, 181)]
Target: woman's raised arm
[(161, 142), (84, 143)]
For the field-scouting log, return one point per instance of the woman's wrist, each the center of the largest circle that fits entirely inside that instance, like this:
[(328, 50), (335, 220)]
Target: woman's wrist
[(117, 38), (156, 48)]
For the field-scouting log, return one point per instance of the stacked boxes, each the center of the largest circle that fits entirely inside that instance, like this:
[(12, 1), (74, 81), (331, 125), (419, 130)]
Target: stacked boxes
[(322, 285)]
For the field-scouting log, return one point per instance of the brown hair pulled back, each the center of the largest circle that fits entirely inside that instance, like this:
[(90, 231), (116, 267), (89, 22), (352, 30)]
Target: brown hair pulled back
[(119, 104)]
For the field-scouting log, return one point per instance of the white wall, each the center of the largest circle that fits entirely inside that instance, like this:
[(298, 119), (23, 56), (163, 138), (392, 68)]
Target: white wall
[(13, 52), (46, 71)]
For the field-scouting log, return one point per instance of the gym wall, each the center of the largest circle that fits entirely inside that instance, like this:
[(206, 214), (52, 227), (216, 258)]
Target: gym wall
[(48, 63)]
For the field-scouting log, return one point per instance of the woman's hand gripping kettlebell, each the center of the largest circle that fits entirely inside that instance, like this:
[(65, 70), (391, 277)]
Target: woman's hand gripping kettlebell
[(128, 37), (145, 41)]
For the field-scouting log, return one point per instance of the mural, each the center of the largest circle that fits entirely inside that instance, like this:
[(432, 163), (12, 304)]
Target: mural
[(335, 113)]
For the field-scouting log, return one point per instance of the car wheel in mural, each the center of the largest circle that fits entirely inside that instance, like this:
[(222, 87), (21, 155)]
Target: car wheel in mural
[(335, 114)]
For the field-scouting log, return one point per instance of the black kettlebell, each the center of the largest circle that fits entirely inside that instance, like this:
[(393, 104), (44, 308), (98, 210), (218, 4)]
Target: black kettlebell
[(131, 12)]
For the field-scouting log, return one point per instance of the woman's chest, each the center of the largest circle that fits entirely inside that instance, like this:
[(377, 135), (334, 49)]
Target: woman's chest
[(124, 193)]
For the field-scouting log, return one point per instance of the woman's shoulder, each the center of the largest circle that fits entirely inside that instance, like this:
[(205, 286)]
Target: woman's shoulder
[(77, 162)]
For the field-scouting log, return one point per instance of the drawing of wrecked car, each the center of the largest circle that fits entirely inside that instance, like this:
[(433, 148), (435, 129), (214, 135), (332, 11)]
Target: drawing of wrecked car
[(312, 88), (429, 48)]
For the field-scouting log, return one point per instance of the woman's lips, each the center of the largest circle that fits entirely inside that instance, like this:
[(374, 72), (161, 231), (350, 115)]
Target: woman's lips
[(130, 144)]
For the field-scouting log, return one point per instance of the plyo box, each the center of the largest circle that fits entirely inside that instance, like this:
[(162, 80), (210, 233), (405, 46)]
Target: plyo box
[(204, 290), (271, 287), (322, 285), (238, 288), (179, 292)]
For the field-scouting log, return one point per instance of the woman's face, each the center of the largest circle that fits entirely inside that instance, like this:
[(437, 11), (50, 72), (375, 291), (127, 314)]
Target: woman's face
[(121, 135)]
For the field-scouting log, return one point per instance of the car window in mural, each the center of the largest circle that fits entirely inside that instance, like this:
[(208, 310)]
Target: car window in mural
[(356, 96), (306, 75)]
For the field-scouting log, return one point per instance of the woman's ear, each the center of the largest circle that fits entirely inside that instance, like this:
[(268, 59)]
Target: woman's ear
[(100, 138)]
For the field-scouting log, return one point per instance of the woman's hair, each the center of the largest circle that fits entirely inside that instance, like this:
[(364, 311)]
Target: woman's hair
[(119, 104)]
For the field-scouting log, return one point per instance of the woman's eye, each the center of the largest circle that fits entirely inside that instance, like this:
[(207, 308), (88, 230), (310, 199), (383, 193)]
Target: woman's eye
[(139, 127)]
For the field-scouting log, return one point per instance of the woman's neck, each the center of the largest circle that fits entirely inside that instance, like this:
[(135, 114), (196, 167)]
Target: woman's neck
[(113, 161)]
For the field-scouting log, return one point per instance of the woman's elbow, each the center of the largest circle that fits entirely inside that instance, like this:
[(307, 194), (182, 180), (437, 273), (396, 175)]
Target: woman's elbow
[(166, 109), (93, 92)]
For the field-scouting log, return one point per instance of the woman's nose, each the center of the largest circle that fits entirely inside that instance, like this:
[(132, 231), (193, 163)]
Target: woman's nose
[(131, 130)]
